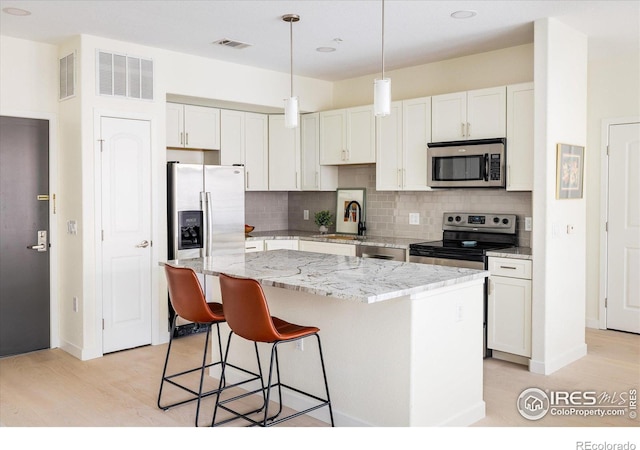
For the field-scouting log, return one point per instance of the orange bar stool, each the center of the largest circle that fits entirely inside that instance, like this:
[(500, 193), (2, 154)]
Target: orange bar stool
[(247, 314), (189, 302)]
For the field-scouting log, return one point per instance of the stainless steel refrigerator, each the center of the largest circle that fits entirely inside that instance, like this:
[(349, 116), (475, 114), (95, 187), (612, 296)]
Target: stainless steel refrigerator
[(205, 215)]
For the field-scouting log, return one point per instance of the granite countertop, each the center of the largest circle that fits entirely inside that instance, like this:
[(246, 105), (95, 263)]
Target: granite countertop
[(365, 280), (515, 253), (380, 241)]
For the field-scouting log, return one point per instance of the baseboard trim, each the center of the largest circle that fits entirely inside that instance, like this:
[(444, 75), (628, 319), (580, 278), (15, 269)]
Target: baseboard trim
[(549, 367)]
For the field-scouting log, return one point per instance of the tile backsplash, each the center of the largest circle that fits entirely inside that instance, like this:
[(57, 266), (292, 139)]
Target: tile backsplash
[(386, 212)]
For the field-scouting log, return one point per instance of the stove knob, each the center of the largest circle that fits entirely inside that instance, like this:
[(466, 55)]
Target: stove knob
[(458, 218), (450, 219), (505, 221), (496, 220)]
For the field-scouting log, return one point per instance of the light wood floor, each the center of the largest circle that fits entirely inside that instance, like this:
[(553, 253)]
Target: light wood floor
[(50, 388)]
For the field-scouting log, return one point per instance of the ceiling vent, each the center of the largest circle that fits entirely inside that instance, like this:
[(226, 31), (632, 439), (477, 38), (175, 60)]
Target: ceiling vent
[(231, 43), (124, 76), (67, 76)]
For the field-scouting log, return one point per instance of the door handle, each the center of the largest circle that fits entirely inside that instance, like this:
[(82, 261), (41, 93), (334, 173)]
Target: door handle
[(143, 244), (41, 246)]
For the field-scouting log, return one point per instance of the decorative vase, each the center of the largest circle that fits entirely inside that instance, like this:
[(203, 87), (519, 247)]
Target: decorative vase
[(323, 229)]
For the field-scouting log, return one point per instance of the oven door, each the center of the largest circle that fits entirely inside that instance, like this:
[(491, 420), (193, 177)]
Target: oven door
[(447, 262)]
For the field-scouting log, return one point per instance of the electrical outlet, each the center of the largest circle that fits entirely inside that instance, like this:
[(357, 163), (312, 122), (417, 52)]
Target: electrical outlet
[(527, 224), (300, 344), (414, 218), (306, 214), (459, 313)]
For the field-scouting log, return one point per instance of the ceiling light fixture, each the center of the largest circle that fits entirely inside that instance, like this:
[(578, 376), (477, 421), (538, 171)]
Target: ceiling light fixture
[(16, 11), (382, 86), (464, 14), (291, 104)]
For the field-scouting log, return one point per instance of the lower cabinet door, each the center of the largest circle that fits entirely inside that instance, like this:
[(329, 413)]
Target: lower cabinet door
[(509, 315)]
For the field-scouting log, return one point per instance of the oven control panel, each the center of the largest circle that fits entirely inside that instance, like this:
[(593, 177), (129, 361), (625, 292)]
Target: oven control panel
[(504, 223)]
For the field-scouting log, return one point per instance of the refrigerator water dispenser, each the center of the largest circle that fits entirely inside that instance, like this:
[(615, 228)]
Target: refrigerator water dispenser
[(190, 223)]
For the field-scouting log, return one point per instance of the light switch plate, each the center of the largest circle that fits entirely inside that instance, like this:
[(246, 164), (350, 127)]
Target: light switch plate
[(306, 214), (527, 224), (414, 218)]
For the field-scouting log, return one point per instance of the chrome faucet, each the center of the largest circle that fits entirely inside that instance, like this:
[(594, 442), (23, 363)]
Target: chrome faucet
[(347, 212)]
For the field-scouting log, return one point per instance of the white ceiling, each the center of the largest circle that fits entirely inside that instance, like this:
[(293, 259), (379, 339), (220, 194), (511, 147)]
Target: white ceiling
[(416, 31)]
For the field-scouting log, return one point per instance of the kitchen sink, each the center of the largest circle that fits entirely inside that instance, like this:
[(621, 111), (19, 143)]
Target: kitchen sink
[(345, 237)]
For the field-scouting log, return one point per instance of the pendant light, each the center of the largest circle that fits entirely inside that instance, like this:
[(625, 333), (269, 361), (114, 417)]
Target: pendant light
[(382, 86), (291, 104)]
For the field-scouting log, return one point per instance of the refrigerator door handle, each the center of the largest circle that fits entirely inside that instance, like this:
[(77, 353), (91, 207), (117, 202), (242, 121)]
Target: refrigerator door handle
[(209, 225), (205, 229)]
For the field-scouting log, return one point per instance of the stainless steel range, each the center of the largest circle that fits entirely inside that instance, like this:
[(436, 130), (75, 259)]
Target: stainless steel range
[(466, 239)]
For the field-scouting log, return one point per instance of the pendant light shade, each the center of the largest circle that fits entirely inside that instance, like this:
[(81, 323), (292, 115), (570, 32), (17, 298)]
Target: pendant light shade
[(382, 97), (291, 109), (291, 112), (382, 86)]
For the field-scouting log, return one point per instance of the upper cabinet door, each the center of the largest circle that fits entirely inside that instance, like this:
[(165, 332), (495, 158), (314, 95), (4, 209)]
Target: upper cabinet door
[(202, 127), (449, 117), (487, 113), (175, 125), (361, 135), (416, 133), (231, 137), (389, 155), (256, 152), (284, 155), (333, 136), (314, 177), (520, 137)]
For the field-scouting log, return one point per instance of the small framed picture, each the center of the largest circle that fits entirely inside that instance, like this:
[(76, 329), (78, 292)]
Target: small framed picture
[(350, 210), (569, 171)]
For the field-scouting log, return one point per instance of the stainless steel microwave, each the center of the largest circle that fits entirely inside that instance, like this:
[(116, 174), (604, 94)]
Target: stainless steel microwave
[(472, 164)]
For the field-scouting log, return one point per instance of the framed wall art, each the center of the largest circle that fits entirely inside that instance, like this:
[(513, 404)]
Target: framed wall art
[(569, 171), (350, 205)]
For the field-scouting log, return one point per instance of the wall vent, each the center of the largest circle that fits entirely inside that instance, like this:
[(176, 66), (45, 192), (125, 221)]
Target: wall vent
[(124, 76), (231, 43), (67, 76)]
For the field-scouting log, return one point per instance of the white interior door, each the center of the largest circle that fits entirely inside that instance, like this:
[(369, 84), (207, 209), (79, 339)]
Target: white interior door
[(126, 229), (623, 238)]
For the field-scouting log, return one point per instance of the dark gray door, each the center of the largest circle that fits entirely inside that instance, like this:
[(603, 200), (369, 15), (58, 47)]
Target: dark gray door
[(24, 213)]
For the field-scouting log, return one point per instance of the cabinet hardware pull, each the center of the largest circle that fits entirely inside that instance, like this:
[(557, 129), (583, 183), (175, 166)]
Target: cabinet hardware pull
[(247, 180), (462, 129), (186, 139), (181, 138), (468, 129), (398, 178), (508, 267)]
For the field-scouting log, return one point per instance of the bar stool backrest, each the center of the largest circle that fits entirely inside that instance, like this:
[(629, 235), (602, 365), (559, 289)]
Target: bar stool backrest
[(186, 295), (246, 309)]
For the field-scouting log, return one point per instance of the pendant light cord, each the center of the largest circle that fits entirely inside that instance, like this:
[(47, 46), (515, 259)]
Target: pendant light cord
[(383, 39), (291, 53)]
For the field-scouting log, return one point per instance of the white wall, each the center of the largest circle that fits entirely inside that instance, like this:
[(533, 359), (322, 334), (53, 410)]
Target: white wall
[(614, 92), (559, 258), (500, 67)]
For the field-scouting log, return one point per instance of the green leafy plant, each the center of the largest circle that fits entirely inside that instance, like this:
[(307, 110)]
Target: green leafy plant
[(324, 218)]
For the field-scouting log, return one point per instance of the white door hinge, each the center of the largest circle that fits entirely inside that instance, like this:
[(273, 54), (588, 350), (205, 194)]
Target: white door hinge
[(606, 227), (606, 301), (102, 234), (101, 142), (103, 324)]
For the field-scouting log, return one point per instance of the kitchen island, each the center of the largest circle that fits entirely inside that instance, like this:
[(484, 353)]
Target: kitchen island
[(402, 341)]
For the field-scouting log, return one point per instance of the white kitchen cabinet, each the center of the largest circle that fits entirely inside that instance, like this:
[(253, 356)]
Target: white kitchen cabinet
[(254, 245), (477, 114), (328, 247), (244, 141), (401, 150), (509, 306), (314, 177), (277, 244), (190, 126), (520, 137), (347, 136), (284, 155)]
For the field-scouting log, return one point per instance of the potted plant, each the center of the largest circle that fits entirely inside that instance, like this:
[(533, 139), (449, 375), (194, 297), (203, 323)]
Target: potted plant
[(324, 219)]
